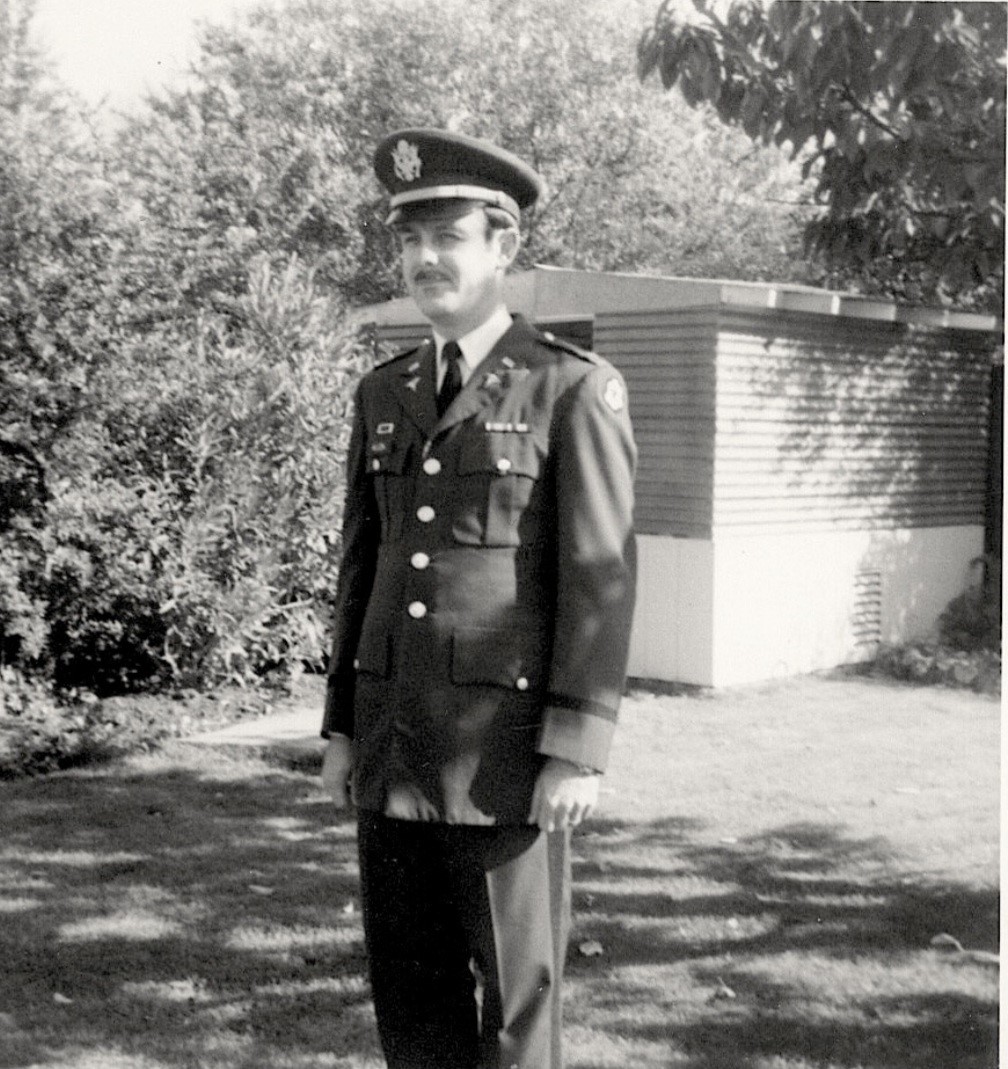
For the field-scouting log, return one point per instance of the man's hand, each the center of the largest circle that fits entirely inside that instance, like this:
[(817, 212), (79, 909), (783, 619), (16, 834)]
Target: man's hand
[(336, 764), (564, 795)]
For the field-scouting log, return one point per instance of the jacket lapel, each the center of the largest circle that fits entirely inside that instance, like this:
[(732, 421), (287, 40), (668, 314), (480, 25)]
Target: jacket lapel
[(415, 391)]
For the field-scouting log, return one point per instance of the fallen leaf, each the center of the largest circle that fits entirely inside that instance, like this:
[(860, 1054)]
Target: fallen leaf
[(591, 948), (62, 1000), (259, 889)]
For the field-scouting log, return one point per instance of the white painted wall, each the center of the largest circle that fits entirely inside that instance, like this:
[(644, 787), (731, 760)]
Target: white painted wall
[(751, 607), (783, 603), (672, 636)]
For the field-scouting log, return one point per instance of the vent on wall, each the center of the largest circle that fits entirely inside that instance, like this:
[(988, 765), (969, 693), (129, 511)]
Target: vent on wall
[(866, 619)]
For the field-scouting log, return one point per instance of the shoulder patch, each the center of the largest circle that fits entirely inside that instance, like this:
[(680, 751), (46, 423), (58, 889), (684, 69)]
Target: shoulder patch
[(614, 395)]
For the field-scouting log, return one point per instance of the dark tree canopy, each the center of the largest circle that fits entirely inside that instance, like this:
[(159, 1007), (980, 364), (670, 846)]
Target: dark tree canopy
[(898, 110)]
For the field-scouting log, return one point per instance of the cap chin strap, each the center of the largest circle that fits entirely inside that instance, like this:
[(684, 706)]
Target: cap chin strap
[(493, 197)]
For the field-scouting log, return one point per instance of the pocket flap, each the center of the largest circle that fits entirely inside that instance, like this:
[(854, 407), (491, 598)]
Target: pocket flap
[(385, 459), (500, 453), (512, 659)]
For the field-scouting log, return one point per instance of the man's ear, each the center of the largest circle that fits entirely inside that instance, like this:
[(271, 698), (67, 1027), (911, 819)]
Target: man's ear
[(509, 242)]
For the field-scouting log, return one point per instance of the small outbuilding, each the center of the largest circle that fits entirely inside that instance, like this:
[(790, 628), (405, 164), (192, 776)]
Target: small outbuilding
[(813, 465)]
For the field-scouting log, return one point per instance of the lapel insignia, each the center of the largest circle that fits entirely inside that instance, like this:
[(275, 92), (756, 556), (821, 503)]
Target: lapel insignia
[(492, 380), (508, 362), (413, 383), (385, 428), (415, 366)]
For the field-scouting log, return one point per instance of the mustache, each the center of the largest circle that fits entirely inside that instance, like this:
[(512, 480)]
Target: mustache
[(426, 274)]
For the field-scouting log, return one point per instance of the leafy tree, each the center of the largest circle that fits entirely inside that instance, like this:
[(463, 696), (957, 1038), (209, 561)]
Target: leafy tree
[(898, 110), (273, 141)]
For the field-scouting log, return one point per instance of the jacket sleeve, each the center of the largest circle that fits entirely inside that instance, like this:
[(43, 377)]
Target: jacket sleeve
[(596, 569), (356, 576)]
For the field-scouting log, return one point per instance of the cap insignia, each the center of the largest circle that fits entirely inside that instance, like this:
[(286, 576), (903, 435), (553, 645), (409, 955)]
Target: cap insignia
[(406, 160)]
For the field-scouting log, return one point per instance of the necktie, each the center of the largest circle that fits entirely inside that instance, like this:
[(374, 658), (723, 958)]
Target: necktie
[(452, 383)]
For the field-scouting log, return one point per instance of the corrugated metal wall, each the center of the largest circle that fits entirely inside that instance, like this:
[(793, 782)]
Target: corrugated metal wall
[(769, 420), (832, 422), (667, 359)]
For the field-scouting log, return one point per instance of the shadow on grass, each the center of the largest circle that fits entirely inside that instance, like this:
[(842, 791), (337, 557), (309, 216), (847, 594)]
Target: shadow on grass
[(179, 918), (206, 917), (798, 947)]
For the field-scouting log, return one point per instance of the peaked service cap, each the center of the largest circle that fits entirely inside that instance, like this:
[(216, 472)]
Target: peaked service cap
[(418, 165)]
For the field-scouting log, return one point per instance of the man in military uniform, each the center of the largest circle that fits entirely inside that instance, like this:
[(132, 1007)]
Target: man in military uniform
[(482, 623)]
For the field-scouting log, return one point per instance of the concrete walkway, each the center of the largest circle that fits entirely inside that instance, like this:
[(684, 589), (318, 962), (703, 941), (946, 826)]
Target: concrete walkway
[(295, 728)]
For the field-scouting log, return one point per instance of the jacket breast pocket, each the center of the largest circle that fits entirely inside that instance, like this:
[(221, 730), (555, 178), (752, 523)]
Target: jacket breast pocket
[(499, 471), (386, 466)]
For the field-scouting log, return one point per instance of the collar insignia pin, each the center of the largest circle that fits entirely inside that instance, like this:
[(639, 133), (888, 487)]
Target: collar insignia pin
[(413, 383)]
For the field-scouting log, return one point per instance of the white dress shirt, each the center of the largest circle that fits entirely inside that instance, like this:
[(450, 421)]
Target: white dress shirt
[(475, 345)]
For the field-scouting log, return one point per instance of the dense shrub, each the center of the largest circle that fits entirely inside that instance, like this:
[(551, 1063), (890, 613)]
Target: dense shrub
[(972, 621), (932, 662), (203, 546), (40, 732), (967, 649)]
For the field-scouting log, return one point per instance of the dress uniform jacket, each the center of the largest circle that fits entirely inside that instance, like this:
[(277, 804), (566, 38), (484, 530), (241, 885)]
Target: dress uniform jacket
[(484, 601)]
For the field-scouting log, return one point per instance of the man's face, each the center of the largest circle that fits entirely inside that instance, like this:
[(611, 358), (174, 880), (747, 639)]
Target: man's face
[(453, 267)]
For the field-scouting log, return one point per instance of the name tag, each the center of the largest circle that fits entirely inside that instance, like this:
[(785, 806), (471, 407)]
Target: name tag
[(507, 428)]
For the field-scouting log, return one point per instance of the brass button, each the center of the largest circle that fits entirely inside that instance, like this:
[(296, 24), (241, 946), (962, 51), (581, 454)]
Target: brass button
[(425, 514), (376, 465), (356, 663), (432, 465), (503, 464), (419, 561), (522, 683), (417, 610)]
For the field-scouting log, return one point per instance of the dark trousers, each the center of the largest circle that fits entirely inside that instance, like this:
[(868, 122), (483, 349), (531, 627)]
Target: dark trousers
[(466, 932)]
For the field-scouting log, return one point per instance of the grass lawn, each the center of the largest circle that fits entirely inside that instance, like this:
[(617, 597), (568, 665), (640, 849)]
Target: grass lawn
[(764, 880)]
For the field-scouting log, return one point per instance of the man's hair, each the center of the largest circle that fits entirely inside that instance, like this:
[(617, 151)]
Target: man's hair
[(498, 219)]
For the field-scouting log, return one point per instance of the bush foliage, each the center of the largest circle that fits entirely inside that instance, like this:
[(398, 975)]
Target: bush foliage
[(967, 649)]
